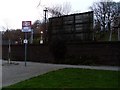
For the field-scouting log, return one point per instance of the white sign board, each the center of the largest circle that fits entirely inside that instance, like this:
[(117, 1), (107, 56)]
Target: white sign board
[(26, 26)]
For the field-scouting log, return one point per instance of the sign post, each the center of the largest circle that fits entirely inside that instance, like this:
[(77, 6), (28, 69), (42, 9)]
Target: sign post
[(26, 27), (25, 48)]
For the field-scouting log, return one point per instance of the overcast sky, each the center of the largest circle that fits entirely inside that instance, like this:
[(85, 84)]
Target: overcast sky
[(13, 12)]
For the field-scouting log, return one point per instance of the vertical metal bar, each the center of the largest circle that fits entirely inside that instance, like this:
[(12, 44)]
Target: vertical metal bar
[(25, 49), (118, 34), (9, 52)]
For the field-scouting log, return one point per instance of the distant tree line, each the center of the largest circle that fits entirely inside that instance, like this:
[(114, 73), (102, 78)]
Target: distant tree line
[(105, 12), (38, 27)]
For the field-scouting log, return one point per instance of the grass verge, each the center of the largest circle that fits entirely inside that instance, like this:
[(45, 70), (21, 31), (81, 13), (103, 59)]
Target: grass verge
[(71, 78)]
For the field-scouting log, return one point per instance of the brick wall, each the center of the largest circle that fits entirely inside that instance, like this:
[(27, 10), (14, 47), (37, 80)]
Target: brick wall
[(103, 53)]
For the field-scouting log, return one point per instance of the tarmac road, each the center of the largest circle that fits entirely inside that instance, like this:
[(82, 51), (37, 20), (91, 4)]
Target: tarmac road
[(16, 72)]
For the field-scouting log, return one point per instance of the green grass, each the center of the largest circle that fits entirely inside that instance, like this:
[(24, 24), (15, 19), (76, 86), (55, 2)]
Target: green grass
[(72, 78)]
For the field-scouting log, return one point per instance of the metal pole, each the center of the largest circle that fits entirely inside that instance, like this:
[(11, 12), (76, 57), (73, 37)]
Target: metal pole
[(25, 49), (45, 17), (118, 34), (45, 24), (31, 36), (9, 52)]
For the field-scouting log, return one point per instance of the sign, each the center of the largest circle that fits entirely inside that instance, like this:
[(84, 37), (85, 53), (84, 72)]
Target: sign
[(26, 41), (26, 26)]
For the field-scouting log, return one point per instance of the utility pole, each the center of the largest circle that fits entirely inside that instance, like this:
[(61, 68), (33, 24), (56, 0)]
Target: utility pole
[(45, 16), (45, 23)]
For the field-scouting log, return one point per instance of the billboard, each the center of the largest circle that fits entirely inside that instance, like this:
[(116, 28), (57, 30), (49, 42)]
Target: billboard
[(26, 26), (72, 27)]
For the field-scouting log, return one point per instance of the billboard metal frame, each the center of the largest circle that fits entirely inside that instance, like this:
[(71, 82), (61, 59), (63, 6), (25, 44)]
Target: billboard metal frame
[(72, 27)]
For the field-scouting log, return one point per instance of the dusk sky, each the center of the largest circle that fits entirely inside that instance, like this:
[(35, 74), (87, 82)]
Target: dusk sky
[(13, 12)]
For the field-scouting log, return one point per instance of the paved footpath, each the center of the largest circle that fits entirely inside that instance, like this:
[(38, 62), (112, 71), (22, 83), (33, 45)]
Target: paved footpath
[(16, 72)]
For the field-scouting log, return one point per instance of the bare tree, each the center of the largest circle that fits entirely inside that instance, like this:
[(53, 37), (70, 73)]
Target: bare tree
[(105, 11), (58, 9)]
